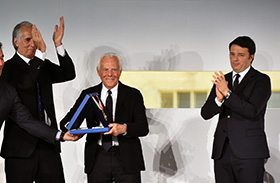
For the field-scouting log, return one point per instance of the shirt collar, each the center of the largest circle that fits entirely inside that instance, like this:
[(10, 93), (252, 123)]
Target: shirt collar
[(242, 74), (24, 58), (113, 90), (38, 54)]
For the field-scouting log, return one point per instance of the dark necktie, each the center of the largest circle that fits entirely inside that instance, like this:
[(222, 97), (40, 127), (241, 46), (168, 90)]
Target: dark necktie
[(107, 139), (39, 103), (236, 81)]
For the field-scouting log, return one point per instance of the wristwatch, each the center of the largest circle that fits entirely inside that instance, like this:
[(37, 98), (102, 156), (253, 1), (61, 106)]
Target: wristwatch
[(228, 94)]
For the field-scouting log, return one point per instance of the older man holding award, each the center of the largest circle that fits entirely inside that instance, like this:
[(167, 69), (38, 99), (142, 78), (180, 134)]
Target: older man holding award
[(116, 155)]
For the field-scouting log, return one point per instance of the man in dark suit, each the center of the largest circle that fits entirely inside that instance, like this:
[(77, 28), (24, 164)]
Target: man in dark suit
[(240, 98), (10, 105), (33, 76), (123, 160)]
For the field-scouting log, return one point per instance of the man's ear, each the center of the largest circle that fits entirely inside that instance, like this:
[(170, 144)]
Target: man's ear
[(251, 58), (98, 71), (16, 42)]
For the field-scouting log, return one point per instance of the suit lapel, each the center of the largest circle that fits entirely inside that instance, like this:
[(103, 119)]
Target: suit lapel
[(248, 77), (98, 89), (21, 64), (121, 98), (229, 80)]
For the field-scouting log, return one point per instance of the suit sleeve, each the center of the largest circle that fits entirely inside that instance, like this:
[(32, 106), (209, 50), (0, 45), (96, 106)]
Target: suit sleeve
[(252, 105), (65, 71), (24, 119), (210, 108), (139, 126)]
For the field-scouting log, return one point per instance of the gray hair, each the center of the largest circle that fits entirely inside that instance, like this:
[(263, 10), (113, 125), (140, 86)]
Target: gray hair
[(17, 32), (111, 55)]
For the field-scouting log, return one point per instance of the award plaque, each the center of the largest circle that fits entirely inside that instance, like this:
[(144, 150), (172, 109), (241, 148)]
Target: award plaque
[(100, 111)]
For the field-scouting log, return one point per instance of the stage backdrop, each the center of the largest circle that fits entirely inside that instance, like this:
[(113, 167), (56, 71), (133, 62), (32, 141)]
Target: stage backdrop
[(147, 34)]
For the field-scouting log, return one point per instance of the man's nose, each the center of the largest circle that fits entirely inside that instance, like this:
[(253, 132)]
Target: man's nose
[(32, 43), (235, 57), (109, 72)]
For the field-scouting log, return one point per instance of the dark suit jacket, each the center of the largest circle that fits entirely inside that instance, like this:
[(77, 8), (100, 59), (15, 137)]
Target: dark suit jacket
[(11, 106), (130, 109), (23, 77), (241, 116)]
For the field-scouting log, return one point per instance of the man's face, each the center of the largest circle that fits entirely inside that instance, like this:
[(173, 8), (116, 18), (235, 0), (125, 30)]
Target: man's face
[(240, 58), (1, 61), (109, 71), (26, 46)]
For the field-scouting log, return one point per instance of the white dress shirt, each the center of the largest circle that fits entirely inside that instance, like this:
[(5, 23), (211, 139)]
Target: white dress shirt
[(104, 94)]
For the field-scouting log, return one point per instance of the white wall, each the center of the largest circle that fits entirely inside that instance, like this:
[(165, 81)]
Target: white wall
[(183, 35)]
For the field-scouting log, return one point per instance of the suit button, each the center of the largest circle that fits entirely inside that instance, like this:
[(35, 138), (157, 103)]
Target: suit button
[(228, 116)]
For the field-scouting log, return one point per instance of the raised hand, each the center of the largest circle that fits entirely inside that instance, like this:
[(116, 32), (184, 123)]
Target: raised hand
[(219, 95), (221, 85), (38, 39), (58, 33)]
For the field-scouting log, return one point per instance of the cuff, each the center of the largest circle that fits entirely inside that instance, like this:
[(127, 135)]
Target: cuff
[(40, 55), (219, 104), (60, 50), (126, 130), (59, 136)]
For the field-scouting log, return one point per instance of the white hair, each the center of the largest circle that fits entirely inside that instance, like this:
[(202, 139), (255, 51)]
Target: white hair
[(110, 55)]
